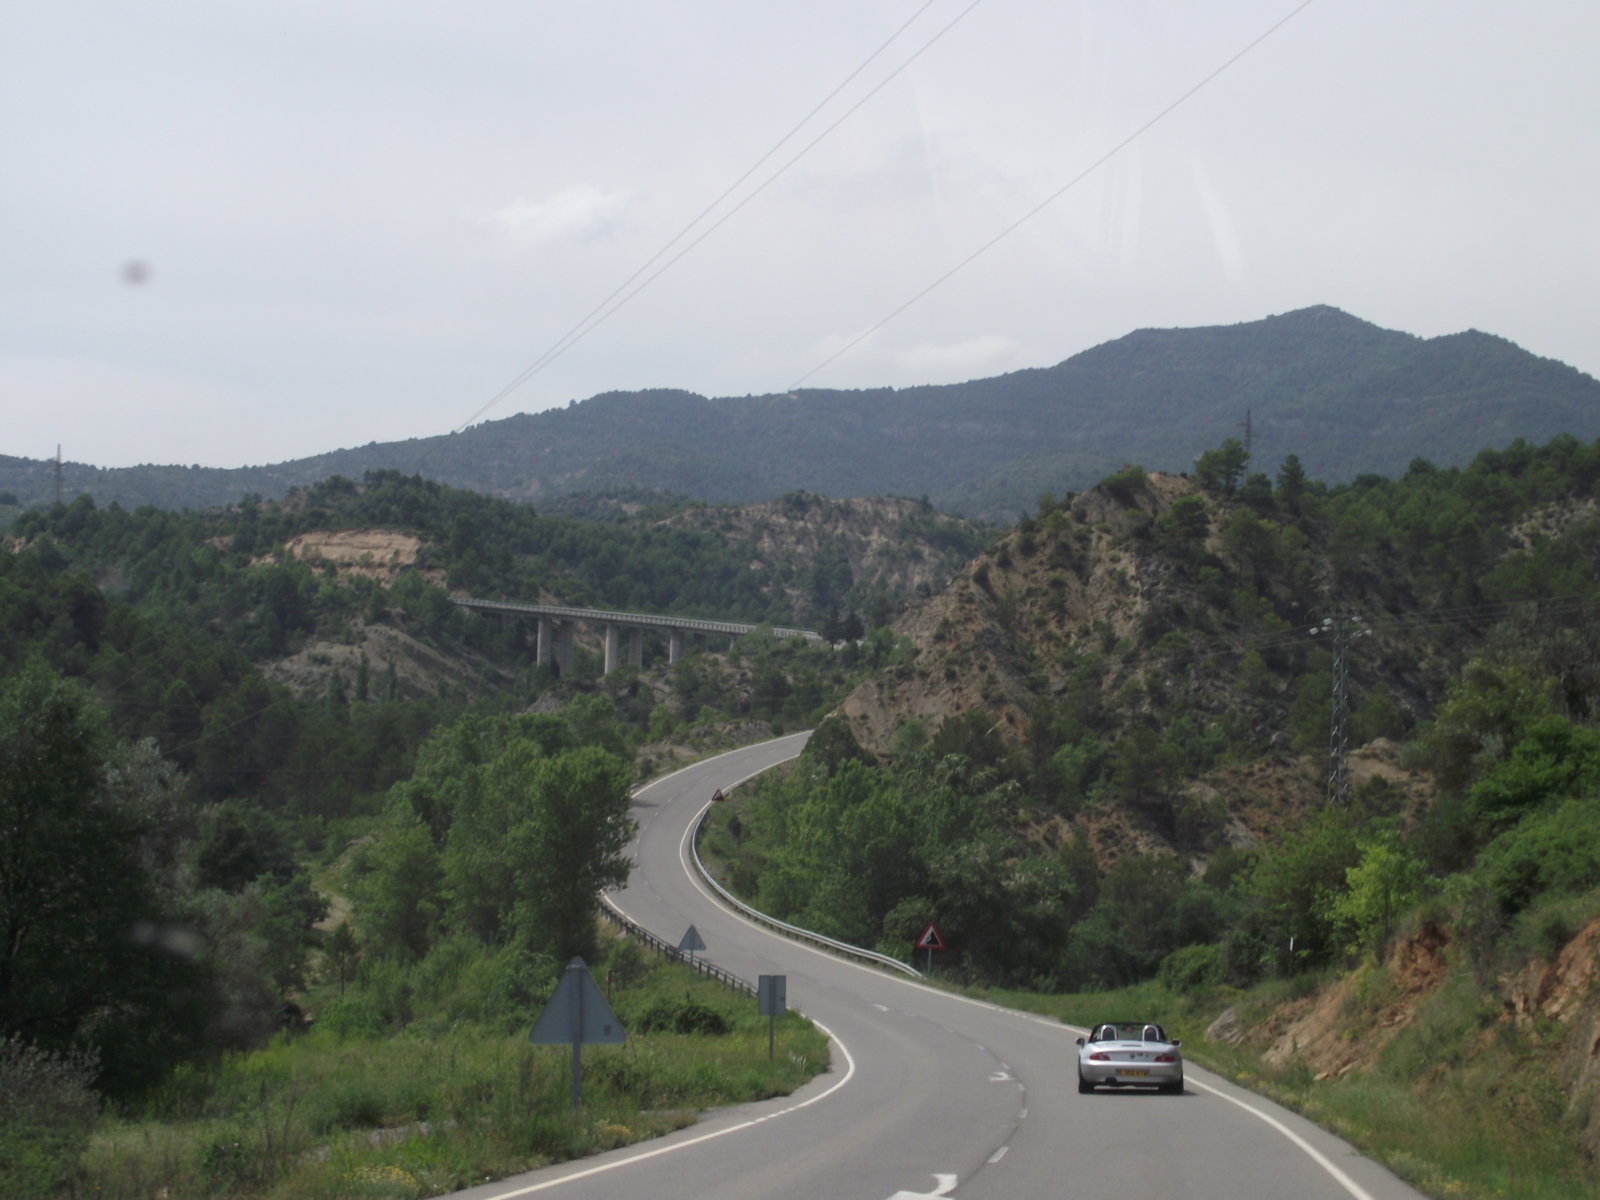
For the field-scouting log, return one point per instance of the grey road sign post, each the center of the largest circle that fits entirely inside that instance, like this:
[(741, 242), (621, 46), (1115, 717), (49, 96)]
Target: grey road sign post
[(577, 1013), (691, 942), (771, 1001), (930, 941)]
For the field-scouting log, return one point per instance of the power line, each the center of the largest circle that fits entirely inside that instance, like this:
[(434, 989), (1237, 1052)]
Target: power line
[(612, 304), (1055, 195)]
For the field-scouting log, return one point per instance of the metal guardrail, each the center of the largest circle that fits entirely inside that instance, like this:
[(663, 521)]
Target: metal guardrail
[(803, 935), (667, 950)]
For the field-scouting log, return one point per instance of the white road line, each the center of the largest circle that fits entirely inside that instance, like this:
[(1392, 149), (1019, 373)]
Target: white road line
[(658, 1151), (943, 1186), (1316, 1156)]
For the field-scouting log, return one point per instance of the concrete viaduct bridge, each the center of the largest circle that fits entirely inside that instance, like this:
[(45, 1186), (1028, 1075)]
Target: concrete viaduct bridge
[(556, 623)]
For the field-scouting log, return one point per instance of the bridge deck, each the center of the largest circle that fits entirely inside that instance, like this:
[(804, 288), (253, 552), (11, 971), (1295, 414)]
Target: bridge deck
[(636, 620)]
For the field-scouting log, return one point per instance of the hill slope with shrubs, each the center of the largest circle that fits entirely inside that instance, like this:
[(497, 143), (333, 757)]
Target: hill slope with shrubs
[(1104, 759)]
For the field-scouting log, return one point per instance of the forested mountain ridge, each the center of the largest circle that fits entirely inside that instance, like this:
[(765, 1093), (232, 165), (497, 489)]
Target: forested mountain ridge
[(1347, 396)]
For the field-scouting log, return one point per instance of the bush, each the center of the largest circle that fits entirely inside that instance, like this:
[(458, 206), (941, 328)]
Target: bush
[(1126, 483), (48, 1108), (1192, 969), (681, 1016), (351, 1017), (1555, 852)]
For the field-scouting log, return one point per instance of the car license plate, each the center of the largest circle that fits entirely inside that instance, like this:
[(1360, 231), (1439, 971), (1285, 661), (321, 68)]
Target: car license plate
[(1138, 1072)]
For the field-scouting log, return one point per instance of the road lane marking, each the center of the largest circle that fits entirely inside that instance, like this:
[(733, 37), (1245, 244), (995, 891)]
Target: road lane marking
[(998, 1155), (943, 1186), (658, 1151), (1316, 1156)]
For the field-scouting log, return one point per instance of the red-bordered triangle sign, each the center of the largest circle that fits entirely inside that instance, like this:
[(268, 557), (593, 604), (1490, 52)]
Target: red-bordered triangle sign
[(931, 938)]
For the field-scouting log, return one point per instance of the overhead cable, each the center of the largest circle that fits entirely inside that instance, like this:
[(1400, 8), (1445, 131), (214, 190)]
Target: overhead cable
[(1053, 196)]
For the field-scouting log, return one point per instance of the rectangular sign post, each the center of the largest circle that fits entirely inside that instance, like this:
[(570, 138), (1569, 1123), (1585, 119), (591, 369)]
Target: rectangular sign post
[(771, 1002), (930, 941), (577, 1013)]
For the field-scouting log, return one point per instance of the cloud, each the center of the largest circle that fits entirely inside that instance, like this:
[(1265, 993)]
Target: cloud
[(1223, 237), (579, 212), (944, 358)]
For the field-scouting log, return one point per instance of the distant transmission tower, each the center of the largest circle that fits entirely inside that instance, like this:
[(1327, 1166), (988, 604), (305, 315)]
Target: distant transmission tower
[(1341, 629)]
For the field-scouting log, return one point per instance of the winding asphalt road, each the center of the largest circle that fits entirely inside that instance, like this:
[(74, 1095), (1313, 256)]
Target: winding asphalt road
[(929, 1094)]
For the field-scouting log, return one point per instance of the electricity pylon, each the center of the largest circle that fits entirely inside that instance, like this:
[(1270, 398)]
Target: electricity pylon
[(1341, 629)]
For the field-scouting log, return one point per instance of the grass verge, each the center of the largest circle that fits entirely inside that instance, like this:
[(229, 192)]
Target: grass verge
[(1455, 1104), (425, 1109)]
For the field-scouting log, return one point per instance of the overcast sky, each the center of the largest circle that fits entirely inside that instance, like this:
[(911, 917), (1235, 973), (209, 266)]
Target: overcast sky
[(242, 231)]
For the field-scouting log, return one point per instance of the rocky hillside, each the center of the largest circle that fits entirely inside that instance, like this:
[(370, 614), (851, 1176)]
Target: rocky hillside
[(1140, 659), (1001, 635), (890, 550)]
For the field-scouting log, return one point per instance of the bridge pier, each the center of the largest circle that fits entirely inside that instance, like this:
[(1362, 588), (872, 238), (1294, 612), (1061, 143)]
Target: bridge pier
[(614, 646), (563, 649), (553, 644)]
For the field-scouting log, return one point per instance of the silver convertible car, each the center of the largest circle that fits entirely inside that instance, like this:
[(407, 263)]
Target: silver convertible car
[(1124, 1053)]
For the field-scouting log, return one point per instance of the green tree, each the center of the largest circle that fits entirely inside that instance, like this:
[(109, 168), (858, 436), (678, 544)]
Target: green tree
[(1220, 470), (1292, 485), (398, 890), (569, 848), (1295, 884), (1182, 529), (84, 948), (1378, 889), (507, 830)]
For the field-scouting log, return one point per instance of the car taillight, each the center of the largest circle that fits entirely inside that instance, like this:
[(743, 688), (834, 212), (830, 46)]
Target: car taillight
[(1100, 1056), (1166, 1058)]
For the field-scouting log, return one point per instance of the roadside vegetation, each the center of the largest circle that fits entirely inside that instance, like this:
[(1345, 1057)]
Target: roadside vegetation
[(413, 1083), (1455, 1104)]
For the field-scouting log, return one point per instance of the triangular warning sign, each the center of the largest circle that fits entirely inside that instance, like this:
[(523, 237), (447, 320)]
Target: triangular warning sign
[(577, 1014), (931, 938)]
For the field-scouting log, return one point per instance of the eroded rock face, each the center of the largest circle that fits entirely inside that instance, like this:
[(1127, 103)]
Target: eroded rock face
[(1567, 991), (1561, 990), (1229, 1028), (377, 553), (1315, 1032), (1557, 1000)]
